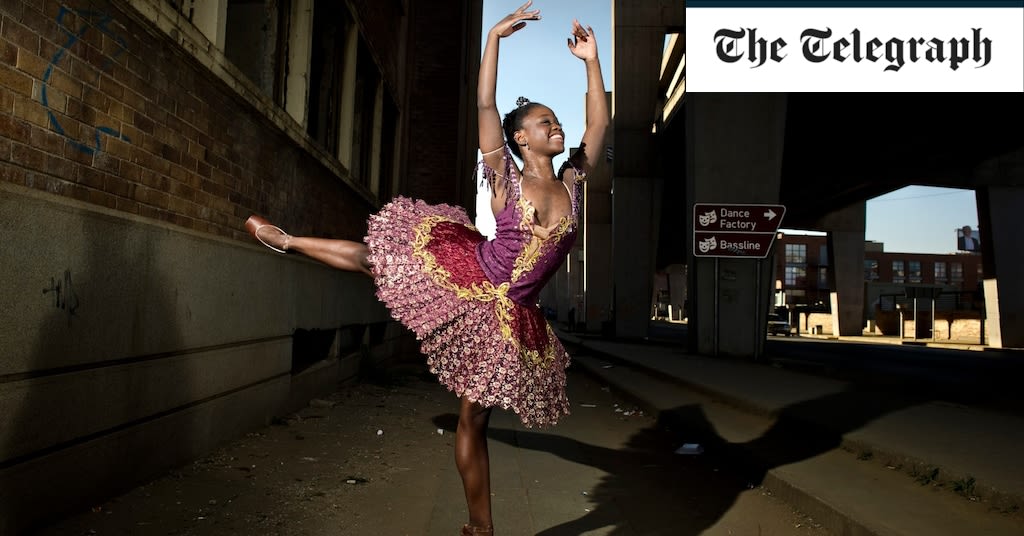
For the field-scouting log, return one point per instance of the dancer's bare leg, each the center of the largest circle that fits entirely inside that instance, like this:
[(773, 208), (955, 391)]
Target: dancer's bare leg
[(341, 254), (472, 460)]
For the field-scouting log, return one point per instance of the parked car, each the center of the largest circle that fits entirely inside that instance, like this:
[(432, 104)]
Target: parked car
[(778, 326)]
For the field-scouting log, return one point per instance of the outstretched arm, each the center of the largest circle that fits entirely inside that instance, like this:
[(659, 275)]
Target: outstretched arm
[(491, 136), (583, 45)]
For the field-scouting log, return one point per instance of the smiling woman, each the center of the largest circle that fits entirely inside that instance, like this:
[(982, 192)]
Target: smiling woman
[(472, 302)]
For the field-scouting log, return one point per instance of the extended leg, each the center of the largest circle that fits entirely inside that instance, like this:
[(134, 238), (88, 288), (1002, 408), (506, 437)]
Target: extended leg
[(472, 460), (341, 254)]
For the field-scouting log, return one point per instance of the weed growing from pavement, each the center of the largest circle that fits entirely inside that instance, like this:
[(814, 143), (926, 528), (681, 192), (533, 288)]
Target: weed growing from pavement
[(964, 486), (928, 475)]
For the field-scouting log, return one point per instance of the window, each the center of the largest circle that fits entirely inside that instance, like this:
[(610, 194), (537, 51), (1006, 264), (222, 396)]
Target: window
[(796, 296), (870, 270), (823, 255), (940, 272), (388, 149), (914, 271), (331, 26), (822, 277), (796, 265), (898, 275), (956, 272), (796, 276), (796, 253), (256, 42), (369, 106)]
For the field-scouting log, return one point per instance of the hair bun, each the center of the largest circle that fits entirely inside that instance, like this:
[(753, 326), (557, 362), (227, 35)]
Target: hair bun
[(521, 101)]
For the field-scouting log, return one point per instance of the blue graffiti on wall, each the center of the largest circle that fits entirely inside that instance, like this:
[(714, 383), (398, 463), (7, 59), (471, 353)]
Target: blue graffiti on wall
[(101, 23)]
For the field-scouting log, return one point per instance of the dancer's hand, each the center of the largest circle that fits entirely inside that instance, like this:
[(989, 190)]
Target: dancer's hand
[(513, 22), (582, 44)]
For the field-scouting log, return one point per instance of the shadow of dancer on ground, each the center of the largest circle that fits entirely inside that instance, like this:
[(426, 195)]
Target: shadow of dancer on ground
[(648, 489)]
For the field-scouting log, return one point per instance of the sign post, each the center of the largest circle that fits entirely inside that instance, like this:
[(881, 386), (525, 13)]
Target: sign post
[(735, 230)]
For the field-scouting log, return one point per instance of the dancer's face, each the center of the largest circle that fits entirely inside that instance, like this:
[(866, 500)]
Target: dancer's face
[(542, 131)]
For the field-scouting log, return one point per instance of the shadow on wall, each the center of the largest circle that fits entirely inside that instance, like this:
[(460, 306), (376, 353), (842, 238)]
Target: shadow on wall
[(98, 370)]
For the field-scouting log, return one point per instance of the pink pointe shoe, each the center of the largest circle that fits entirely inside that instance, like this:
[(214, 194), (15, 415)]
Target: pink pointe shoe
[(470, 530), (257, 225)]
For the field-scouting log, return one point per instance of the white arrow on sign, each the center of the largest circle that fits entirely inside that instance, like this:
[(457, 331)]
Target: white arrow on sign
[(770, 214)]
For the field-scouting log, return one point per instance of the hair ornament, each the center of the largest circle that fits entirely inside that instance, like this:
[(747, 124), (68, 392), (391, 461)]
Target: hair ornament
[(522, 101)]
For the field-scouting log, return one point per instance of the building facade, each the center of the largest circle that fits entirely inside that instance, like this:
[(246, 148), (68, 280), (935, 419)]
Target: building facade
[(804, 280), (143, 326)]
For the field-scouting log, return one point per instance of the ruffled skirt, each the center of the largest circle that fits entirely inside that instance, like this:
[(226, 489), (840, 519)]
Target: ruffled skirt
[(478, 342)]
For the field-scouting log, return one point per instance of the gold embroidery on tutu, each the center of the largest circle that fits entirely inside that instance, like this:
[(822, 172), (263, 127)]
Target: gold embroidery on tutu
[(485, 292)]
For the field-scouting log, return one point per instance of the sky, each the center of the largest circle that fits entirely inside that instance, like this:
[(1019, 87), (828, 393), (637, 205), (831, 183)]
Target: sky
[(921, 219), (536, 63)]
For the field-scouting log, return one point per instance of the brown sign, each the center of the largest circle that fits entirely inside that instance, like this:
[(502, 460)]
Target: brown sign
[(735, 230)]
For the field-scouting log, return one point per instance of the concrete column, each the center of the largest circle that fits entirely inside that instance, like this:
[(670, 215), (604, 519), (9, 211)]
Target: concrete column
[(597, 249), (846, 268), (639, 40), (677, 290), (1003, 255), (734, 146)]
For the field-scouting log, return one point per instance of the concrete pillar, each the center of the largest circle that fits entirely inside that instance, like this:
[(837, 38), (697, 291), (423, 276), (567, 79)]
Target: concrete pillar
[(677, 290), (846, 267), (638, 42), (598, 284), (1003, 255), (734, 146), (597, 248)]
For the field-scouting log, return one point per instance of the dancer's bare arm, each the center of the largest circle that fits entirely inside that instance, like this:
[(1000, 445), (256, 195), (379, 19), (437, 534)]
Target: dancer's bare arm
[(491, 135), (583, 45)]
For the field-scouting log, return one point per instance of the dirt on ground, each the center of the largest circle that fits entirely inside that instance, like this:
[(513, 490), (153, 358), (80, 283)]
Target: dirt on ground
[(376, 458)]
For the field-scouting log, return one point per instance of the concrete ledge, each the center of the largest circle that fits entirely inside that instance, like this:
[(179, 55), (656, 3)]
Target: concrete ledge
[(74, 478)]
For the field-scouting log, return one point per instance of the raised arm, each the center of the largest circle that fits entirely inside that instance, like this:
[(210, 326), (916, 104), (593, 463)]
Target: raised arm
[(583, 45), (491, 137)]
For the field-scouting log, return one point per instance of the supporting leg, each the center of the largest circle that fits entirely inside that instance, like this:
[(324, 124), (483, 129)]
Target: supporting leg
[(474, 464)]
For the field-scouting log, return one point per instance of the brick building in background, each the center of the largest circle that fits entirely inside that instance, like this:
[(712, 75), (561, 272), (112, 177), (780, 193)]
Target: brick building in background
[(142, 325), (803, 282)]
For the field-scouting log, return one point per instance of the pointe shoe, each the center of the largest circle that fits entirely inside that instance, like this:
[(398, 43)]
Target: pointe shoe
[(255, 224), (470, 530)]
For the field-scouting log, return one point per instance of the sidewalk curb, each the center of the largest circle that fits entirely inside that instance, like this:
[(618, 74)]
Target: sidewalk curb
[(791, 492), (799, 498)]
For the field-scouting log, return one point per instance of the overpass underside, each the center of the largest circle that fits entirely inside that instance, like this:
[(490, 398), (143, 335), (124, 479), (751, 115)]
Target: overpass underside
[(821, 155)]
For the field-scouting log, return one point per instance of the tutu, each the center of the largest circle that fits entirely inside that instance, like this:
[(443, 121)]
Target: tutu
[(472, 307)]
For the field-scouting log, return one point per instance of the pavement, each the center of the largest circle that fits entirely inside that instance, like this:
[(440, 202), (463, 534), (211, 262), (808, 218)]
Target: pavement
[(376, 458), (861, 457), (782, 451)]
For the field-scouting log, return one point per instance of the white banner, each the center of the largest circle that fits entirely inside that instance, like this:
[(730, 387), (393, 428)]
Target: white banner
[(867, 49)]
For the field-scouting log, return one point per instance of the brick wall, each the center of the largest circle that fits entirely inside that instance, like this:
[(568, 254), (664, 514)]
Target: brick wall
[(437, 171), (98, 107), (127, 167)]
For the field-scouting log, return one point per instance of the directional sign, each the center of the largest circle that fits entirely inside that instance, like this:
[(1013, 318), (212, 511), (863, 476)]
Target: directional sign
[(735, 230)]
